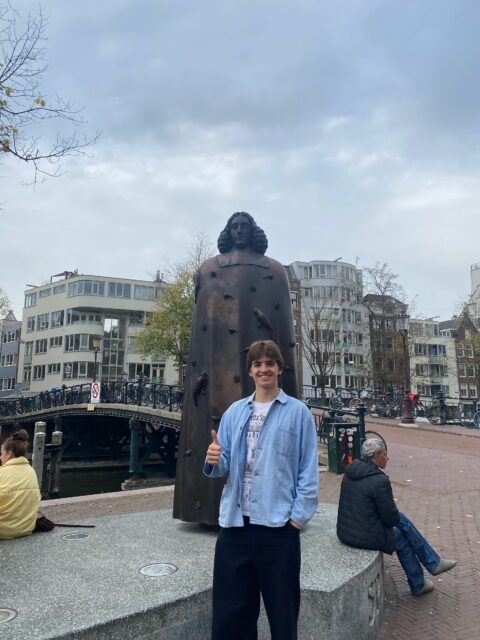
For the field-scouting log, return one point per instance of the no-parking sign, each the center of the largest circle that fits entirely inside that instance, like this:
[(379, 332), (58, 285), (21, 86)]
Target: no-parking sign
[(95, 393)]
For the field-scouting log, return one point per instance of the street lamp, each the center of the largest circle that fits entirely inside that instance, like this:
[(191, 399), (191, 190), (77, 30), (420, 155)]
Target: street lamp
[(96, 347), (402, 328)]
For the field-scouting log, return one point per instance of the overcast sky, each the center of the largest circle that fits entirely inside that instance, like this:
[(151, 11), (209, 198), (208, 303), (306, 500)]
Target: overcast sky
[(347, 129)]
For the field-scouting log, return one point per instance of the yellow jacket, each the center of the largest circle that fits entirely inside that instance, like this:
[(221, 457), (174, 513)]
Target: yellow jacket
[(19, 498)]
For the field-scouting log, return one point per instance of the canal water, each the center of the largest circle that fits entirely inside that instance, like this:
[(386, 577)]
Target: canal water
[(86, 481)]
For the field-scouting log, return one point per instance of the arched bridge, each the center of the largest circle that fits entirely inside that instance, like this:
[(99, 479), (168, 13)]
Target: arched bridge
[(139, 418)]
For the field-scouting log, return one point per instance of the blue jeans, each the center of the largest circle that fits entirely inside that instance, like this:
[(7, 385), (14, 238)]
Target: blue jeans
[(413, 551)]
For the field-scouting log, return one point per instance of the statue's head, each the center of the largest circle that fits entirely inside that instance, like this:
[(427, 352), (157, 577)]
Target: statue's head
[(242, 232)]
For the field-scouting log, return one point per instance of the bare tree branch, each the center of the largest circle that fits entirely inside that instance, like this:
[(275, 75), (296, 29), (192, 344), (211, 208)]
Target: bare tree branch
[(23, 107)]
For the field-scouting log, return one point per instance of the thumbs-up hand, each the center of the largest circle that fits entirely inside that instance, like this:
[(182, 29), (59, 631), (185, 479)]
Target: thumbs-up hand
[(214, 451)]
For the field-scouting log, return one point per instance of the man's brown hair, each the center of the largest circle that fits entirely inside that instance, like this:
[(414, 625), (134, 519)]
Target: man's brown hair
[(262, 348)]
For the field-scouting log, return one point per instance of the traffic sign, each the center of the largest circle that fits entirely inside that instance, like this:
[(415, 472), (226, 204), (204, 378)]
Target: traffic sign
[(95, 393)]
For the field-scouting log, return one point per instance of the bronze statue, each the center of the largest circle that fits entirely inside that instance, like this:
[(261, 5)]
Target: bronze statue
[(240, 296)]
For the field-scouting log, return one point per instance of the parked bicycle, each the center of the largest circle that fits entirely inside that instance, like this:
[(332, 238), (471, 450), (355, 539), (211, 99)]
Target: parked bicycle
[(439, 412), (469, 414)]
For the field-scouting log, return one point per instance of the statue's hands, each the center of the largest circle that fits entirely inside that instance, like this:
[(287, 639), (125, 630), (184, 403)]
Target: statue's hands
[(214, 451)]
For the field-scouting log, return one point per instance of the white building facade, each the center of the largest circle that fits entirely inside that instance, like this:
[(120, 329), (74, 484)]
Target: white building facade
[(63, 320), (331, 292), (433, 361)]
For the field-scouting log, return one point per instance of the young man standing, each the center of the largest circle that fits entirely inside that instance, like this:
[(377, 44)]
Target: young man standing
[(266, 446)]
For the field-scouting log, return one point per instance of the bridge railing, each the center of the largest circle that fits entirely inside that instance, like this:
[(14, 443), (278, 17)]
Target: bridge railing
[(138, 392)]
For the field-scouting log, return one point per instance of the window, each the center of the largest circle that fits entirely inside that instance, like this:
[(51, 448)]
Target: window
[(43, 293), (158, 373), (462, 371), (86, 288), (144, 292), (319, 271), (39, 372), (74, 316), (132, 344), (59, 288), (78, 370), (12, 335), (420, 349), (138, 368), (463, 391), (41, 346), (42, 321), (136, 319), (28, 348), (30, 300), (77, 342), (460, 352), (469, 352), (119, 290), (57, 318), (8, 360), (470, 371), (54, 368), (7, 384), (472, 389), (56, 341), (31, 323)]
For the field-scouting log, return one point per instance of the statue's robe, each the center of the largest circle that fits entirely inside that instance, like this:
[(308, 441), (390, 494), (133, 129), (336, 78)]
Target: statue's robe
[(241, 296)]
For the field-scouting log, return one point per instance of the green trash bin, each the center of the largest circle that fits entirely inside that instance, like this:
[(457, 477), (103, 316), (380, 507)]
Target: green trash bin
[(343, 445)]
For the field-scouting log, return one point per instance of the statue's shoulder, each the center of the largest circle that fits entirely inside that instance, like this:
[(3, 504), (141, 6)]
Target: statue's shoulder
[(209, 264)]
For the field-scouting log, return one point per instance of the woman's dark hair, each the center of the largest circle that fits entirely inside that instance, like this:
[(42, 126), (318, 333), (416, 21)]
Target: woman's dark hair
[(266, 348), (17, 443), (258, 239)]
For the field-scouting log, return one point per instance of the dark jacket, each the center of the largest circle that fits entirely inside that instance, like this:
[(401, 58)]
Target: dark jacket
[(367, 512)]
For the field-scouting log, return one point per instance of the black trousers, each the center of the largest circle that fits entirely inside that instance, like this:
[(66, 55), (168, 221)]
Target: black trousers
[(251, 560)]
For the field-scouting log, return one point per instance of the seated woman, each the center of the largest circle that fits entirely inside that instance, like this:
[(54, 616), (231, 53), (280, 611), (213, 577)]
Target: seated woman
[(368, 518), (19, 492)]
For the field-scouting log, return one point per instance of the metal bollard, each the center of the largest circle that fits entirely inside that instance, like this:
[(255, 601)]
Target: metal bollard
[(38, 450), (55, 448)]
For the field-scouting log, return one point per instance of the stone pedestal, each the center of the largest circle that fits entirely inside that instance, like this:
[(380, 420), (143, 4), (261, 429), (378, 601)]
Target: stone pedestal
[(92, 588)]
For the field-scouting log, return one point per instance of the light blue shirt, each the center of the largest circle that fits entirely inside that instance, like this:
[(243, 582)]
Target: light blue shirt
[(285, 470)]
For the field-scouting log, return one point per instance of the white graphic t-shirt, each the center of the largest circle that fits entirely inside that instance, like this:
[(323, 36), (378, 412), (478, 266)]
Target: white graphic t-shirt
[(259, 413)]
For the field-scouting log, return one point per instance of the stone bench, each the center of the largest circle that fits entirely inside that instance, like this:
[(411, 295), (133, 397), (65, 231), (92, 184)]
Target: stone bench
[(92, 588)]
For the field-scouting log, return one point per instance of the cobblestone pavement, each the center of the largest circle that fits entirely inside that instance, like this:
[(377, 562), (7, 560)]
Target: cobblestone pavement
[(435, 473)]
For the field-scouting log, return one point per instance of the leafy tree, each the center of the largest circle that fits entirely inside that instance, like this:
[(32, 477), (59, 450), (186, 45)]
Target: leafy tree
[(25, 112), (168, 330)]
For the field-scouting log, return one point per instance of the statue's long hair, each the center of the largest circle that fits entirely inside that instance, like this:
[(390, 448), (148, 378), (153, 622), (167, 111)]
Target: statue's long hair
[(258, 239)]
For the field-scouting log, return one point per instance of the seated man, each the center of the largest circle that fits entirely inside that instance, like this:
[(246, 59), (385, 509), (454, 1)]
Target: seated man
[(368, 518)]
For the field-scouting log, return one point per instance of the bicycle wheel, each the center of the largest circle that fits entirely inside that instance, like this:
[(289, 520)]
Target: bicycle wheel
[(476, 420), (373, 434), (354, 403), (435, 414), (335, 403)]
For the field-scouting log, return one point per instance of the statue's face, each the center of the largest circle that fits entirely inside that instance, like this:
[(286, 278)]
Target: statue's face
[(240, 230)]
